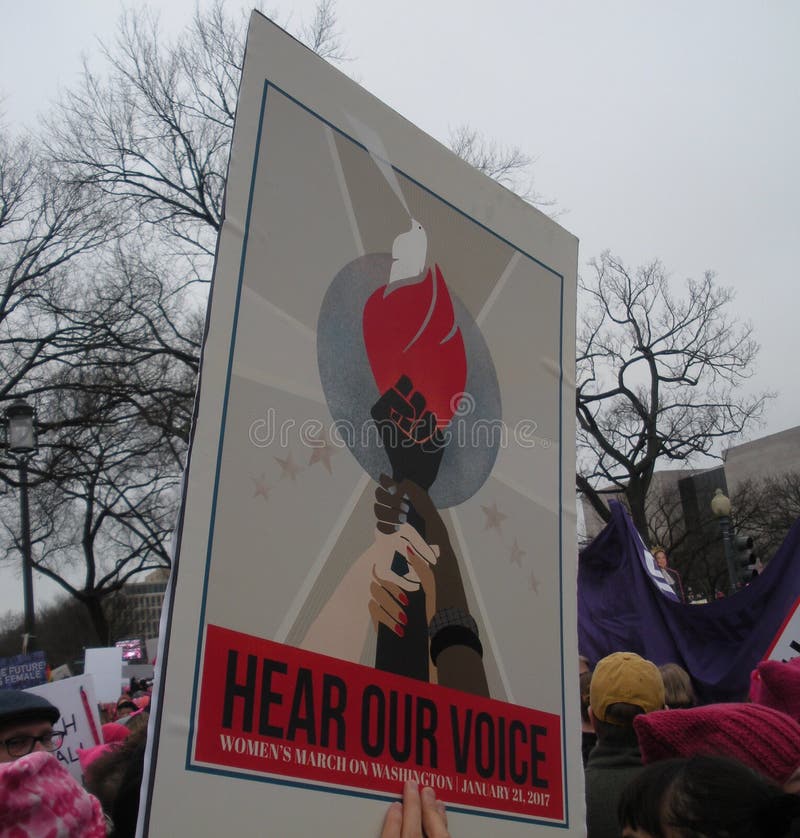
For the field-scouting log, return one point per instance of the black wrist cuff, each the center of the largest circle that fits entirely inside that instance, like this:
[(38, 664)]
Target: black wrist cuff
[(454, 636)]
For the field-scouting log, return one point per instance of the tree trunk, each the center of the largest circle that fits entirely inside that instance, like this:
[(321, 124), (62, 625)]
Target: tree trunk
[(637, 497), (591, 494), (95, 608)]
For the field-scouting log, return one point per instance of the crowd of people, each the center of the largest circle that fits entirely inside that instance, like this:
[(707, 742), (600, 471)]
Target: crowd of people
[(40, 797), (657, 763)]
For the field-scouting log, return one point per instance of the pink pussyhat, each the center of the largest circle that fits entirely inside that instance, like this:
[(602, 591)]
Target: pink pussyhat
[(115, 732), (39, 797), (764, 739), (776, 684), (142, 702), (86, 756)]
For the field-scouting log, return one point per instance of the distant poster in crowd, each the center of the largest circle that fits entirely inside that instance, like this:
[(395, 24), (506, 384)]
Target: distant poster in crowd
[(60, 672), (22, 671), (105, 663), (80, 719), (374, 578)]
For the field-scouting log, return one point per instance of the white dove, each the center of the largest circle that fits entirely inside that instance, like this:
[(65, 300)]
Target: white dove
[(409, 251)]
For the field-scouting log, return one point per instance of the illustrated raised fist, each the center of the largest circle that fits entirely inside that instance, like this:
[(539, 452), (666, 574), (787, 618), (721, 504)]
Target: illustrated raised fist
[(409, 432)]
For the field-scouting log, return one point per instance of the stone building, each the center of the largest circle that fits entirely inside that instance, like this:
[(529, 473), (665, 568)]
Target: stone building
[(143, 601)]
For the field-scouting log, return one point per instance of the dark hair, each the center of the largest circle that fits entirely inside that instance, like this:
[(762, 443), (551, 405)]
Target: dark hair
[(125, 809), (678, 689), (709, 796), (106, 775), (585, 679), (126, 704), (619, 723)]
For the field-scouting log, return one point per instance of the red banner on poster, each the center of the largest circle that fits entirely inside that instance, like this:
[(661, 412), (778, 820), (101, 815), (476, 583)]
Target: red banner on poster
[(285, 712)]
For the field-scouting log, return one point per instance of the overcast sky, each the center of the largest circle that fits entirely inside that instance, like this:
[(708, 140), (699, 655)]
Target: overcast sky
[(666, 130)]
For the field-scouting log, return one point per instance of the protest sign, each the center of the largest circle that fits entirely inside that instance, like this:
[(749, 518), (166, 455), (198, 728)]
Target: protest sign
[(786, 643), (80, 720), (385, 322), (106, 666), (23, 671)]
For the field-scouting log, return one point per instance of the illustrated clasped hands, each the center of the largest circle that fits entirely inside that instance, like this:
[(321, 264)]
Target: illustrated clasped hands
[(395, 504)]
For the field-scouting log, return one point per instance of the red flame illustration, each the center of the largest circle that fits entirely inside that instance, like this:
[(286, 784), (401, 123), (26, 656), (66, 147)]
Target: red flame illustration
[(411, 330)]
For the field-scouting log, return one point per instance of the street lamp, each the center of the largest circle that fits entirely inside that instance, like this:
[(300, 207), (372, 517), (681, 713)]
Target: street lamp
[(721, 507), (21, 444)]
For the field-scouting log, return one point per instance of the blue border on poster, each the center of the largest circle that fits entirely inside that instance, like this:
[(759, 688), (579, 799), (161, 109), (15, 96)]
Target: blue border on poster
[(190, 766)]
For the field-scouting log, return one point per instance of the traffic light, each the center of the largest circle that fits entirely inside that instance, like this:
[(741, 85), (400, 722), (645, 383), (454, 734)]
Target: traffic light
[(746, 558)]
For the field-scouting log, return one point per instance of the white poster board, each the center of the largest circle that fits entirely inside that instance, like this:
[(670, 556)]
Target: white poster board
[(80, 720), (105, 664), (368, 282)]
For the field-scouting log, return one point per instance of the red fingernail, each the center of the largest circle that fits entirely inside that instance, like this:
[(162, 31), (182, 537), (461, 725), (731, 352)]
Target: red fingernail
[(399, 630), (401, 617), (403, 598)]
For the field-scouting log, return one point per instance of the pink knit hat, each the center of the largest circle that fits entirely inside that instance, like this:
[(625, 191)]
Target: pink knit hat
[(142, 702), (38, 797), (777, 684), (766, 740), (86, 756), (115, 732)]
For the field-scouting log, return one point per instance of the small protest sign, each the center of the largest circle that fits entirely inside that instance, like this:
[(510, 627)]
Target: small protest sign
[(23, 671), (106, 666)]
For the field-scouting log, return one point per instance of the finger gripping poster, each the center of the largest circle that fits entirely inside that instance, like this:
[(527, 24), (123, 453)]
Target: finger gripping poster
[(373, 579)]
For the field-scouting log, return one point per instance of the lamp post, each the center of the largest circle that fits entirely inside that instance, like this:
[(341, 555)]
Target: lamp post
[(21, 444), (721, 507)]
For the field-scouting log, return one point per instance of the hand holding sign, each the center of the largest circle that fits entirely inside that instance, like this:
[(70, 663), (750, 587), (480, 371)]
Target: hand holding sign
[(418, 815)]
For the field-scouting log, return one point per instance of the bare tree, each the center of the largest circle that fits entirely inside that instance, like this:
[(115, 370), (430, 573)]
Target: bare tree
[(659, 378), (766, 510), (64, 630), (508, 165), (103, 501), (154, 131), (137, 153), (46, 226), (146, 333), (153, 134), (322, 34)]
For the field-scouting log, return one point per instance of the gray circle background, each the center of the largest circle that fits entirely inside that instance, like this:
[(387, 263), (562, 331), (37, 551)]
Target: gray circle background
[(350, 388)]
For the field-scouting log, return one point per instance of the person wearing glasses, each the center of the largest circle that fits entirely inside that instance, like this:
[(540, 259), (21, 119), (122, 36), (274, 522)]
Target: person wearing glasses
[(38, 795), (26, 725)]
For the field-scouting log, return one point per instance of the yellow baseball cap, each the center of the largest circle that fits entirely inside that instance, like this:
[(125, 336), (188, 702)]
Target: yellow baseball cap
[(625, 677)]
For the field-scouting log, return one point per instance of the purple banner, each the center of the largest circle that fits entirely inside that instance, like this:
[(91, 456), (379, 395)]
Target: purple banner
[(621, 607)]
